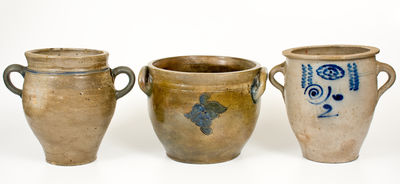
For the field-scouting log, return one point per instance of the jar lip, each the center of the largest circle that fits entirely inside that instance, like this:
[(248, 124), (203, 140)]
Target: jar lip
[(331, 52), (79, 53), (254, 64)]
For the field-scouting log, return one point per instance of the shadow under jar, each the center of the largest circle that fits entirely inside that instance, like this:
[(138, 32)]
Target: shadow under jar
[(203, 108), (69, 99), (330, 94)]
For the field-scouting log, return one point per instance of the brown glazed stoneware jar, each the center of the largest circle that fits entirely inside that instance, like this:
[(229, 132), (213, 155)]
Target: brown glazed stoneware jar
[(330, 93), (69, 99), (203, 108)]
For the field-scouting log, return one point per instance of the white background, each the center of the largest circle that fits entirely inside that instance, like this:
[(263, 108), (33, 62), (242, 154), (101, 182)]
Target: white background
[(137, 32)]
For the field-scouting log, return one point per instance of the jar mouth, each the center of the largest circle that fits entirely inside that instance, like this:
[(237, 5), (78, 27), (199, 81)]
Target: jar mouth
[(65, 53), (331, 52), (203, 64), (54, 60)]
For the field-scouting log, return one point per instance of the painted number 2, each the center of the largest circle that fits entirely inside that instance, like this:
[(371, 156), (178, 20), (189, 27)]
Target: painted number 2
[(326, 114)]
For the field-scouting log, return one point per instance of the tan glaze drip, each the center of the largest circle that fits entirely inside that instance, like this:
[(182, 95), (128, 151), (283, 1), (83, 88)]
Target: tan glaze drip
[(330, 93), (69, 99), (203, 108)]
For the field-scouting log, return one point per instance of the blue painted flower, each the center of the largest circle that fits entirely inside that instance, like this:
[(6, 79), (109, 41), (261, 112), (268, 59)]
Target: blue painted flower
[(203, 113), (330, 72)]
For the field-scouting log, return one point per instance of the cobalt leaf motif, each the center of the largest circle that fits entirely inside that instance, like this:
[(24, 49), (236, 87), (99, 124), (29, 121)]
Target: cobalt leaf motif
[(204, 112)]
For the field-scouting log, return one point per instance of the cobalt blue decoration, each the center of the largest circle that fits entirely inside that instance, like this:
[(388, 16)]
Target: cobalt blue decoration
[(310, 74), (314, 91), (303, 76), (254, 88), (203, 113), (307, 75), (353, 76), (337, 97), (65, 73), (328, 109), (330, 72), (315, 94)]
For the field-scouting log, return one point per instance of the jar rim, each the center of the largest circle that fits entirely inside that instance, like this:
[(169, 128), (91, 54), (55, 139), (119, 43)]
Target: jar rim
[(222, 61), (331, 52), (66, 60), (60, 53)]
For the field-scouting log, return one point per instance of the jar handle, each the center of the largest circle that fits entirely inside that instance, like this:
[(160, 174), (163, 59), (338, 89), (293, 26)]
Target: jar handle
[(145, 80), (131, 83), (259, 84), (383, 67), (6, 77), (278, 68)]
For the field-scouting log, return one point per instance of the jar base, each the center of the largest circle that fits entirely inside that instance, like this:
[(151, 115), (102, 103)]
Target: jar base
[(331, 161), (71, 158), (71, 163), (209, 161)]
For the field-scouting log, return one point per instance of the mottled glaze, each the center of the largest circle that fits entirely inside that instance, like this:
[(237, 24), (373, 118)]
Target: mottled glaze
[(330, 94), (69, 99), (203, 108)]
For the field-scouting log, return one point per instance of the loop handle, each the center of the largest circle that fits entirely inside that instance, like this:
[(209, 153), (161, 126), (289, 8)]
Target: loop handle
[(6, 77), (131, 83), (259, 84), (274, 70), (383, 67), (145, 80)]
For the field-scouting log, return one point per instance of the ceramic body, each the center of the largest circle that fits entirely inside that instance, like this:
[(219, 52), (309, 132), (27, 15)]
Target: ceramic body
[(203, 108), (69, 99), (330, 94)]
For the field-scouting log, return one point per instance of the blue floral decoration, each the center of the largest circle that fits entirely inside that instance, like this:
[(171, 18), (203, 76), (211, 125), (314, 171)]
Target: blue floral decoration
[(330, 72), (204, 112)]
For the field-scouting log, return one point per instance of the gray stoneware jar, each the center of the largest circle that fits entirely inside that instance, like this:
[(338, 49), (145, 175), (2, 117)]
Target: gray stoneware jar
[(330, 94), (69, 99)]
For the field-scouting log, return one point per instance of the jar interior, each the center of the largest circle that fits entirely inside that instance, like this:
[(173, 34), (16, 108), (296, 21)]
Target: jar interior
[(67, 52), (204, 64), (331, 51)]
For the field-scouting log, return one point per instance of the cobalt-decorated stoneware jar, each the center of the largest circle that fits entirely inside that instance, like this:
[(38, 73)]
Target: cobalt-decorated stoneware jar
[(203, 108), (330, 94), (69, 99)]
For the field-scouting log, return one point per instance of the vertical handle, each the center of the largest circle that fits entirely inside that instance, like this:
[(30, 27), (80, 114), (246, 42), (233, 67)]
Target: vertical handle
[(259, 84), (131, 83), (274, 70), (6, 77), (383, 67), (145, 80)]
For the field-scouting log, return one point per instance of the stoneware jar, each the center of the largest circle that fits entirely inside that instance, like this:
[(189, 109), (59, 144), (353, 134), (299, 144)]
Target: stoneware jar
[(203, 108), (69, 99), (330, 94)]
